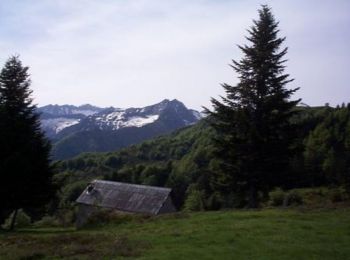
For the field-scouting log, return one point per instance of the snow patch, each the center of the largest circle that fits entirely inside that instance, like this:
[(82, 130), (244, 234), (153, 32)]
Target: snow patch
[(58, 124), (140, 121), (197, 114), (119, 119)]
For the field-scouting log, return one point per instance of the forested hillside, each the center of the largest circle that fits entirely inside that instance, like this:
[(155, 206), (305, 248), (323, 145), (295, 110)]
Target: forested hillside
[(184, 160), (175, 160)]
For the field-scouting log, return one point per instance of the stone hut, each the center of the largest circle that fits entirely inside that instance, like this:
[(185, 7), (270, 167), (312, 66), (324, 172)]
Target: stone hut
[(123, 197)]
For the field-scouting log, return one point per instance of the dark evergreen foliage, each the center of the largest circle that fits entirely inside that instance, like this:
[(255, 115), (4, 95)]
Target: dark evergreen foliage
[(253, 120), (24, 166)]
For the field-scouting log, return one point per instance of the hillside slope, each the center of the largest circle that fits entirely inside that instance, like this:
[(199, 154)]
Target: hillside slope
[(174, 160), (185, 162), (266, 234)]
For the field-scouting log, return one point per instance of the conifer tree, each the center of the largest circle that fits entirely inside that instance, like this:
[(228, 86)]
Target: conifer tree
[(253, 119), (25, 165)]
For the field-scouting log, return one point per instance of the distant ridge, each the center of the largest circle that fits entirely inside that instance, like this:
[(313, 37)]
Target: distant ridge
[(87, 128)]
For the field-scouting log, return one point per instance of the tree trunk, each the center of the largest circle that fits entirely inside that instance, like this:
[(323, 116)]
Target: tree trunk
[(13, 221)]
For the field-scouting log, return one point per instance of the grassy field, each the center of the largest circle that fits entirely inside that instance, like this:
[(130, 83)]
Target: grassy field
[(266, 234)]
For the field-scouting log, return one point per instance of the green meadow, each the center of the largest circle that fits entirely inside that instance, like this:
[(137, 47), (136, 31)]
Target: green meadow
[(266, 234)]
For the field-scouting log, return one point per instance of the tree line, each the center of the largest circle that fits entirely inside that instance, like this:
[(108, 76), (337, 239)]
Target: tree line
[(186, 162)]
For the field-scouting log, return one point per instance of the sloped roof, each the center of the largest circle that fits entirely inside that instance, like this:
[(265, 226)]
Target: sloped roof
[(125, 196)]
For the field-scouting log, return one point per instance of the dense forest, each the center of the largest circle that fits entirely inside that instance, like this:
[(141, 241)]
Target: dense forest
[(184, 160)]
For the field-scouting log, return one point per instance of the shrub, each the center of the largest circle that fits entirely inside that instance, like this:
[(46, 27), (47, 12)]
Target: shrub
[(277, 197), (47, 221), (215, 201), (105, 216), (195, 201), (71, 192), (338, 195), (22, 220), (293, 198), (65, 217)]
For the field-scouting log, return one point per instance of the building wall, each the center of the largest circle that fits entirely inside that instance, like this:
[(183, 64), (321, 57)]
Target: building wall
[(168, 207), (83, 213)]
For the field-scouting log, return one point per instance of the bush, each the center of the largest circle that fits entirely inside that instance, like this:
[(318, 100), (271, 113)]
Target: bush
[(293, 198), (105, 216), (47, 221), (22, 220), (195, 201), (338, 195), (215, 201), (71, 192), (65, 217), (277, 197)]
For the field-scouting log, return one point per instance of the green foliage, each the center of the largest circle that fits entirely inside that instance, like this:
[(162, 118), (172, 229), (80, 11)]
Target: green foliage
[(47, 221), (175, 161), (293, 198), (197, 164), (65, 217), (277, 197), (25, 152), (102, 217), (338, 195), (22, 220), (320, 197), (254, 120), (327, 156), (71, 192), (195, 200)]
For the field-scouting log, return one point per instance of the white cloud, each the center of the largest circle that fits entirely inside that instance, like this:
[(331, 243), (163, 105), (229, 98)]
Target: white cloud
[(133, 53)]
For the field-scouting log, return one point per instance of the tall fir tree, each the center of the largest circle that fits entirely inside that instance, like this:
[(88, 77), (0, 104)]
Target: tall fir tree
[(25, 171), (253, 120)]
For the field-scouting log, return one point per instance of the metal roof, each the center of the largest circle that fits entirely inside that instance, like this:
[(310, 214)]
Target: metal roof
[(125, 196)]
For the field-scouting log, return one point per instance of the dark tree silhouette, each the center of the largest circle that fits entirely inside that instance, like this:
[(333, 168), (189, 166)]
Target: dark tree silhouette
[(25, 165), (253, 120)]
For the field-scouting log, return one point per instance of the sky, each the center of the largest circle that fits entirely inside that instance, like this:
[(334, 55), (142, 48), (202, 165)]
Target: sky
[(133, 53)]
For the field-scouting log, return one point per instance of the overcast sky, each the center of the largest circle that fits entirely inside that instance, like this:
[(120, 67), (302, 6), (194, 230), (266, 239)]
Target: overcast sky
[(137, 52)]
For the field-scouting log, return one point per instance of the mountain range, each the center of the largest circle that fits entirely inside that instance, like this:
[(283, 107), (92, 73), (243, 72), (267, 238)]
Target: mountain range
[(87, 128)]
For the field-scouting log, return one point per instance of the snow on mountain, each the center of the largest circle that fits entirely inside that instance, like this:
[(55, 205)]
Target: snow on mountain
[(120, 119), (113, 128), (55, 118), (69, 119), (141, 121), (114, 119), (197, 114), (58, 124)]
